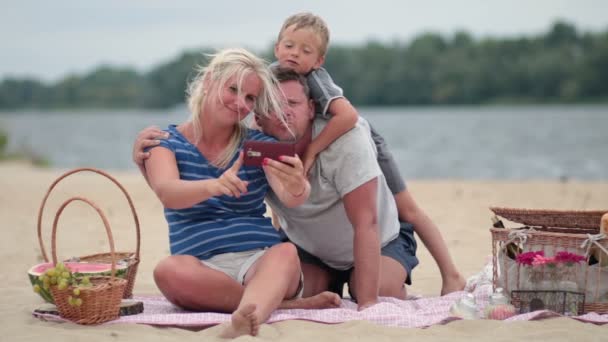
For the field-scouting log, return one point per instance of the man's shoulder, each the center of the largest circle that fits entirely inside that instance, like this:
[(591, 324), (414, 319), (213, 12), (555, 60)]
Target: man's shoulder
[(350, 160), (353, 146), (361, 131)]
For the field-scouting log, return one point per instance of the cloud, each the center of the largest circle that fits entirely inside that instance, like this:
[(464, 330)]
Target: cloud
[(50, 39)]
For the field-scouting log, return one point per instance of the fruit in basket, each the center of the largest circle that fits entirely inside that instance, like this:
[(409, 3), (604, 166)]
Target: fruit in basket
[(44, 275)]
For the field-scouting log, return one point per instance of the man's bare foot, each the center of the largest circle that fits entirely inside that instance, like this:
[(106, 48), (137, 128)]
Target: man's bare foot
[(323, 300), (244, 322), (453, 284)]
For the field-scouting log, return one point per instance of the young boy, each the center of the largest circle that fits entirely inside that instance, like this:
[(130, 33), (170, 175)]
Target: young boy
[(302, 45)]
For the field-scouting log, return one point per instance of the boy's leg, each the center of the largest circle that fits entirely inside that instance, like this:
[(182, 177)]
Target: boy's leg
[(430, 235), (408, 211), (387, 164)]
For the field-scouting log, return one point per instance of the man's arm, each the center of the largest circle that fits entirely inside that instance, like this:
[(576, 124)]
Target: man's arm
[(147, 137), (361, 209)]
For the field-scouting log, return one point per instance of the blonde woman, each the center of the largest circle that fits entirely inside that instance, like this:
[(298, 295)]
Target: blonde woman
[(226, 256)]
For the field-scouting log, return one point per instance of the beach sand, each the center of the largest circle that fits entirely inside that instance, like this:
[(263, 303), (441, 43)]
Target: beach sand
[(460, 208)]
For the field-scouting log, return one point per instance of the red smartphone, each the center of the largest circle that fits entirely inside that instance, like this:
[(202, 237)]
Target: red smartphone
[(255, 151)]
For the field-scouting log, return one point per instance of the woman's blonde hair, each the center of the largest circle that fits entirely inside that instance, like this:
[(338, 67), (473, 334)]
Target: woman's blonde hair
[(212, 79)]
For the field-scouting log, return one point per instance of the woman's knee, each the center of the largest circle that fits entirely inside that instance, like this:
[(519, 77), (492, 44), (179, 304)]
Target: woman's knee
[(285, 257), (287, 253), (163, 267), (169, 271), (172, 276)]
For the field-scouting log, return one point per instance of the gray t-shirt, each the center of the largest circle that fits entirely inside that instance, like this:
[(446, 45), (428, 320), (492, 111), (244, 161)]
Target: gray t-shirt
[(323, 90), (321, 226)]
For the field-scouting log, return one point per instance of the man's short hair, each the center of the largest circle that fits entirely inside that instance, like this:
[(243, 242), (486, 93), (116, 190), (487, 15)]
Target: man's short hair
[(285, 75)]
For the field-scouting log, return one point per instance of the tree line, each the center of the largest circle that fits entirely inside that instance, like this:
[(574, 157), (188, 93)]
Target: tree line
[(562, 65)]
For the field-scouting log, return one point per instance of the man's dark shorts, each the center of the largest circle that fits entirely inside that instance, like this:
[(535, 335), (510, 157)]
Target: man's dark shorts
[(402, 249)]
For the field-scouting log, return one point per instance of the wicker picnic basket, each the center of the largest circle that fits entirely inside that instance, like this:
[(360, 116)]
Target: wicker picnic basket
[(553, 230), (131, 258), (100, 301)]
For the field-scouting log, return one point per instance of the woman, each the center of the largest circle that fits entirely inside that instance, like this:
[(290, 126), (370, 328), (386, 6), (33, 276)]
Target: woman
[(225, 253)]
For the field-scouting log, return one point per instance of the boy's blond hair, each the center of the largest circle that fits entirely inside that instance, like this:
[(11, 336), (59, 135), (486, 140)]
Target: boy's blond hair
[(310, 21)]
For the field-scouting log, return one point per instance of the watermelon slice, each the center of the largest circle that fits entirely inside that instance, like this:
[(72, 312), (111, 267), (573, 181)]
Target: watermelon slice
[(78, 269)]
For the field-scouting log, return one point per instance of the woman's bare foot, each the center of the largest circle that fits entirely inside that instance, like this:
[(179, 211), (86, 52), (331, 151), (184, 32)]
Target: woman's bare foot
[(453, 284), (244, 322), (323, 300)]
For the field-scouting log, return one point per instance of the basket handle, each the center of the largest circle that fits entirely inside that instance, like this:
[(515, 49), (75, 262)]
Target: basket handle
[(105, 223), (40, 211)]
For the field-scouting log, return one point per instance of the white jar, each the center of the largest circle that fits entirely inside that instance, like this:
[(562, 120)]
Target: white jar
[(465, 308)]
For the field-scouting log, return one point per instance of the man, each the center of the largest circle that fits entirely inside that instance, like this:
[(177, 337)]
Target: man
[(348, 230)]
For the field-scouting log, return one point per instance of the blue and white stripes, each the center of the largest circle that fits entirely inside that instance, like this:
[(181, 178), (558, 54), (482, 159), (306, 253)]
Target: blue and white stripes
[(220, 224)]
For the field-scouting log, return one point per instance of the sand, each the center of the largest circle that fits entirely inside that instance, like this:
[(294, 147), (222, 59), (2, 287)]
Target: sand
[(460, 208)]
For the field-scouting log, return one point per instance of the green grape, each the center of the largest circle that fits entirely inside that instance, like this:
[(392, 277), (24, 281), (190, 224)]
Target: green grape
[(46, 286), (86, 280), (71, 300), (78, 301), (51, 272), (65, 274), (60, 266), (46, 281), (63, 284), (53, 280), (76, 292), (37, 288), (41, 277)]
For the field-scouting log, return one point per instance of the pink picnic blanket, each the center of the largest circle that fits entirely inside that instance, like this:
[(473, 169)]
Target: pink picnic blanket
[(411, 313)]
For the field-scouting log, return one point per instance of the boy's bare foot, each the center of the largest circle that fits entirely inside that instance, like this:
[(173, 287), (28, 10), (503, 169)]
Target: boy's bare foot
[(323, 300), (453, 284), (244, 322)]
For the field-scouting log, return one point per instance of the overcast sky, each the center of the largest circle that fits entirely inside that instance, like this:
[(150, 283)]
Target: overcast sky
[(50, 39)]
